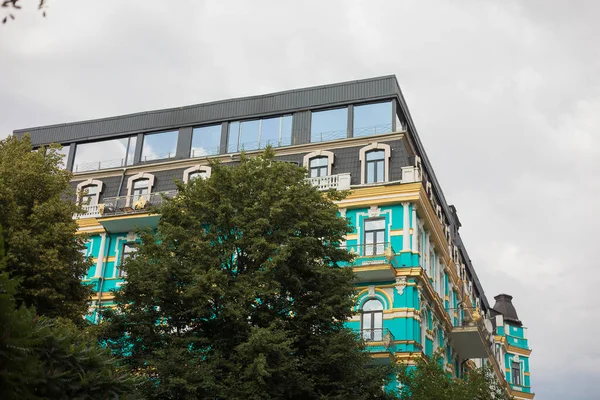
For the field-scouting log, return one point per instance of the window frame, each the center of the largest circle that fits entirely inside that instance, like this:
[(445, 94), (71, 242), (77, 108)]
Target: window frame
[(371, 330), (516, 378), (124, 255), (170, 155), (89, 182), (131, 181), (376, 249), (239, 145), (386, 161), (347, 128), (319, 153)]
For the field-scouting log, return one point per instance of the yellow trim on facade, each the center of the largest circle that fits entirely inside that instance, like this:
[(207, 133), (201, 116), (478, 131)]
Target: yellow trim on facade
[(111, 259), (352, 236), (518, 350), (86, 222), (527, 373), (396, 232), (120, 217)]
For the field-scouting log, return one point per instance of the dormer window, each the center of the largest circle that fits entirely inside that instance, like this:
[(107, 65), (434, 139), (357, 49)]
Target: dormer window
[(319, 163), (375, 163), (88, 192), (139, 187), (90, 195), (195, 172)]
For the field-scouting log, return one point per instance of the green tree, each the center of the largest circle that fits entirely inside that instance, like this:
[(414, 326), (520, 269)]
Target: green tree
[(240, 293), (46, 358), (42, 248), (428, 380)]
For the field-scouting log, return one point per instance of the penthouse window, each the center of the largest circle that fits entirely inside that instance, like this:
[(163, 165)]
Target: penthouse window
[(103, 154), (206, 141), (329, 125), (259, 133), (372, 119), (64, 151), (159, 146)]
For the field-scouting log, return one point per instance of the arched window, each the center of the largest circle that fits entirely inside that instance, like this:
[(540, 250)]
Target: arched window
[(139, 187), (375, 159), (371, 320), (319, 163), (88, 192), (318, 166)]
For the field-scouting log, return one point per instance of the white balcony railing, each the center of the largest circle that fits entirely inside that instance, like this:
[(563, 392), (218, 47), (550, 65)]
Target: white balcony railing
[(90, 211), (339, 182)]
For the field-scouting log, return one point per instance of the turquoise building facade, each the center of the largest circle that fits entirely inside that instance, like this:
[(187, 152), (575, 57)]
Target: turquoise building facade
[(417, 290)]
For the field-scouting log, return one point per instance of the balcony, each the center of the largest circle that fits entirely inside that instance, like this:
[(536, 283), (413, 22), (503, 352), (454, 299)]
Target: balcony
[(123, 205), (470, 337), (380, 342), (339, 182), (373, 262)]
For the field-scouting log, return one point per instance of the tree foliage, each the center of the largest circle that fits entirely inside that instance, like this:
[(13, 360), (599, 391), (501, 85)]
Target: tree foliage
[(46, 358), (240, 293), (428, 380), (42, 248)]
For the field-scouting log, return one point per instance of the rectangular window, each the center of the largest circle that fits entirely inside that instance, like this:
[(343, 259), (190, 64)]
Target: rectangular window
[(318, 166), (112, 153), (90, 195), (258, 134), (374, 237), (375, 166), (206, 141), (372, 119), (141, 187), (159, 146), (127, 251), (516, 373), (329, 125)]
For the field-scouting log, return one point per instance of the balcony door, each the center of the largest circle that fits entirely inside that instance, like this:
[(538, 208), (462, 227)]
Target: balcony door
[(374, 236), (371, 321)]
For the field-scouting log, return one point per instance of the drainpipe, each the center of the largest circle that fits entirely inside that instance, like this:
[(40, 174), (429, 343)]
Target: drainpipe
[(121, 184), (105, 256)]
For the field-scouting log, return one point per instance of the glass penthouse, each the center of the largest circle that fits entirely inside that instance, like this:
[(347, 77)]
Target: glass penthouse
[(418, 291)]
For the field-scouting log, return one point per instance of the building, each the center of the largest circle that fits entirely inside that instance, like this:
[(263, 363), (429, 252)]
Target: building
[(417, 289)]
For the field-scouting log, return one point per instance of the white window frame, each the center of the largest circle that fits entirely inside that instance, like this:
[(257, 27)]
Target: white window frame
[(90, 182), (319, 153), (196, 168), (137, 177), (386, 161)]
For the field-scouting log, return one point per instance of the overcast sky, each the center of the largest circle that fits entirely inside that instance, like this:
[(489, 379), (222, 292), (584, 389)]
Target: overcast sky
[(505, 96)]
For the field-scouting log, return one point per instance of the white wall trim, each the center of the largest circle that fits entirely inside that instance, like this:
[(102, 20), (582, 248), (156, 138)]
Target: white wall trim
[(196, 168), (386, 160), (319, 153)]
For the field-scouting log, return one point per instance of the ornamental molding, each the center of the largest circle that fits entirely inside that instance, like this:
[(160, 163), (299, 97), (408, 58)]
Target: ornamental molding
[(400, 284)]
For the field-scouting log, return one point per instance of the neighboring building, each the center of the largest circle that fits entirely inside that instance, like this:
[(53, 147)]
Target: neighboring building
[(417, 289), (512, 347)]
